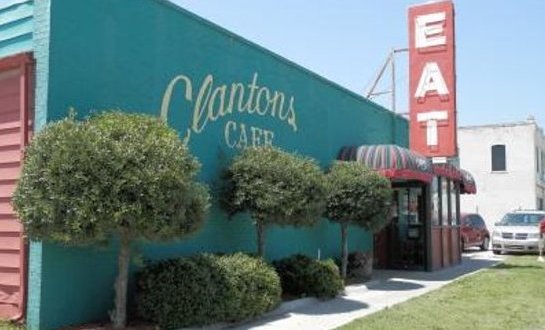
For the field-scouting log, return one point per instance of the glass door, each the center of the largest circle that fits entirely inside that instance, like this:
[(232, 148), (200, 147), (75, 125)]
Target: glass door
[(407, 229)]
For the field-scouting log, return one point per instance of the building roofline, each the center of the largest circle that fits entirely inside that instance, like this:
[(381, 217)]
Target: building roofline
[(508, 124)]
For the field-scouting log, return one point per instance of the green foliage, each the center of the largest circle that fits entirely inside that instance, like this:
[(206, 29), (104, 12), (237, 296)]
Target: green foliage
[(7, 325), (82, 181), (303, 276), (206, 289), (275, 187), (358, 195), (359, 264)]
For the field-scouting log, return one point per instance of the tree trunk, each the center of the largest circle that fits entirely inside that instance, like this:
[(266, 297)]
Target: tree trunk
[(119, 316), (344, 243), (260, 229)]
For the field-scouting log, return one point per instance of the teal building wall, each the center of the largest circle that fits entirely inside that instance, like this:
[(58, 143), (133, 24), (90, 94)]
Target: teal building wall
[(151, 56), (16, 20)]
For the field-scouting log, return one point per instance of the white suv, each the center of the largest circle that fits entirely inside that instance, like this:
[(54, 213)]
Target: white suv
[(518, 231)]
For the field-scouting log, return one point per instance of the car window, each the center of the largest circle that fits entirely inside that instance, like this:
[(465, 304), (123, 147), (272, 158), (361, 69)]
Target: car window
[(521, 219), (479, 221)]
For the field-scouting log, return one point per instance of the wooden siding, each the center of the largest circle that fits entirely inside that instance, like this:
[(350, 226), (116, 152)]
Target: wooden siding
[(14, 106), (16, 25)]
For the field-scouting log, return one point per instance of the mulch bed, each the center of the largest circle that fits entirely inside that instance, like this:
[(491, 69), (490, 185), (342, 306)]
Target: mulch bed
[(108, 326)]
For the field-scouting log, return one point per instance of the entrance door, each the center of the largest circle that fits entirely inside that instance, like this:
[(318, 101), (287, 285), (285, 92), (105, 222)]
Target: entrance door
[(13, 137), (401, 245)]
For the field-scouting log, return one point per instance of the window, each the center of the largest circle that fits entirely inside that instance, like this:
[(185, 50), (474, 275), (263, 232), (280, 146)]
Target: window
[(414, 197), (479, 222), (454, 221), (540, 205), (498, 157), (445, 202), (474, 221), (435, 201)]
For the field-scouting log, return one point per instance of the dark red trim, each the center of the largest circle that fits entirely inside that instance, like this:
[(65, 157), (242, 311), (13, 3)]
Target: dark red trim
[(406, 174), (448, 171), (468, 188), (16, 61)]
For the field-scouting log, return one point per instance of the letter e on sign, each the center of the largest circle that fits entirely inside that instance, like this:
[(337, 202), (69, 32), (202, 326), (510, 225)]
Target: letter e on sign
[(429, 30)]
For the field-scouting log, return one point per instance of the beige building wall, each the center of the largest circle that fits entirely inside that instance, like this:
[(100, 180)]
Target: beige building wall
[(518, 186)]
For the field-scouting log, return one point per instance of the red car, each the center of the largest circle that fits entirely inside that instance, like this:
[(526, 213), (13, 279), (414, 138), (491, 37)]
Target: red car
[(473, 231)]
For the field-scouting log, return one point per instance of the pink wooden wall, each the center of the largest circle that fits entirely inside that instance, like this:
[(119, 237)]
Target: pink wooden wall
[(15, 99)]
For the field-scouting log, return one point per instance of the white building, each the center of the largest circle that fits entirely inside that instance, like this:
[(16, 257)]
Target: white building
[(508, 164)]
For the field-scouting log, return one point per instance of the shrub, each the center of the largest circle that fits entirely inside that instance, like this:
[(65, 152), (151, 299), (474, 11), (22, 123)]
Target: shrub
[(303, 276), (205, 289), (359, 264), (255, 284)]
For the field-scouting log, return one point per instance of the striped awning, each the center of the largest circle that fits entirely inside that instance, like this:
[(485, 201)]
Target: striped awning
[(392, 161), (468, 185), (447, 170)]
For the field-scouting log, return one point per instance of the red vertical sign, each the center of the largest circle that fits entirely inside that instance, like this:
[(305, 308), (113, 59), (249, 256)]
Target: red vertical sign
[(432, 79)]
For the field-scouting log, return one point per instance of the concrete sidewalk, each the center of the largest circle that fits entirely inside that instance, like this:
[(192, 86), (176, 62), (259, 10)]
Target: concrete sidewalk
[(387, 288)]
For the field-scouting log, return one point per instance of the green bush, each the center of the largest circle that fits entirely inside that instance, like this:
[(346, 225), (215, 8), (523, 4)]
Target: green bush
[(206, 289), (303, 276), (360, 264)]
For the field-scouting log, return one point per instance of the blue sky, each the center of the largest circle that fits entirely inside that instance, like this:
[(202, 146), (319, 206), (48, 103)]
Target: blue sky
[(500, 46)]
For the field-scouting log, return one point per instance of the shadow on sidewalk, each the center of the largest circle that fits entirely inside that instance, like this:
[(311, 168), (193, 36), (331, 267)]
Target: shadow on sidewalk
[(394, 285), (337, 305), (470, 263)]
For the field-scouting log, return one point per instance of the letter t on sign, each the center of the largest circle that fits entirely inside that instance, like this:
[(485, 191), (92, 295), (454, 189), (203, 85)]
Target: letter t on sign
[(431, 118)]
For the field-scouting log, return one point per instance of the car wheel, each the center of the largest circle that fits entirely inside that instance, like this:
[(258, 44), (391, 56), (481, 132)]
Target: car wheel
[(484, 246), (496, 251)]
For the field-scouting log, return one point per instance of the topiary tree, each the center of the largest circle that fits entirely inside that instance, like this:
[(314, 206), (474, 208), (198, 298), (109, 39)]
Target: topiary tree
[(357, 196), (275, 187), (119, 175)]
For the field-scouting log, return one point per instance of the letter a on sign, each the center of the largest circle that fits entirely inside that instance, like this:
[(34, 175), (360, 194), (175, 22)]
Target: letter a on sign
[(432, 79)]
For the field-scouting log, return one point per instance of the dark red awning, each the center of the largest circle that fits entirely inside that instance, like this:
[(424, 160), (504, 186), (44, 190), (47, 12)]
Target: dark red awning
[(447, 170), (392, 161), (468, 185)]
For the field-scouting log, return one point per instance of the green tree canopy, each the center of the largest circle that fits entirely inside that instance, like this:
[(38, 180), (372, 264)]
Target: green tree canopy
[(274, 187), (115, 174), (358, 196)]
